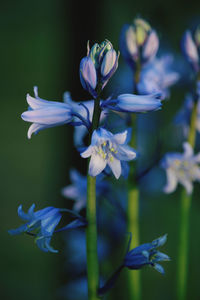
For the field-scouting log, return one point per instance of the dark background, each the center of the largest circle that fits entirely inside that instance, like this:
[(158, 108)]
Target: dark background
[(42, 43)]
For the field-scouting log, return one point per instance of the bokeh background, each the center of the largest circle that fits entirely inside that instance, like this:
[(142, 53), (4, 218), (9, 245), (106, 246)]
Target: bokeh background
[(42, 43)]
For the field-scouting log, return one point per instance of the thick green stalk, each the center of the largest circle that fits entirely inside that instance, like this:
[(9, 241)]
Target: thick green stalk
[(134, 287), (184, 223), (91, 231)]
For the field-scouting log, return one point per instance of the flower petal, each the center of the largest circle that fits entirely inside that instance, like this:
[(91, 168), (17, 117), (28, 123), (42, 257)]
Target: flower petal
[(115, 166), (97, 165)]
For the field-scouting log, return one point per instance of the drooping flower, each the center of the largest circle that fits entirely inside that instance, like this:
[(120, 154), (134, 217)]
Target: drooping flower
[(157, 77), (138, 42), (108, 149), (42, 224), (191, 47), (131, 103), (78, 189), (44, 114), (143, 255), (181, 168), (147, 254), (98, 66)]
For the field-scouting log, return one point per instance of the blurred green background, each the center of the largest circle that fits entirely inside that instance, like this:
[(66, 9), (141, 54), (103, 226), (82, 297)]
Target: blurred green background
[(42, 43)]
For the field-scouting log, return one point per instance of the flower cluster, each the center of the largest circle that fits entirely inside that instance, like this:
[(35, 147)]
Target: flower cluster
[(138, 42), (98, 66)]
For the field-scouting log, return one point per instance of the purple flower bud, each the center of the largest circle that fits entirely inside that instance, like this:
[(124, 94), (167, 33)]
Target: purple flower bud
[(138, 42), (109, 65), (88, 75)]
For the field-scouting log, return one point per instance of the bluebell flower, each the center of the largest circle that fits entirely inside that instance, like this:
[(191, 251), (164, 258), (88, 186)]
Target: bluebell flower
[(191, 48), (158, 76), (147, 254), (85, 109), (138, 42), (183, 116), (44, 114), (42, 224), (143, 255), (131, 103), (108, 149), (98, 66), (181, 168), (78, 189)]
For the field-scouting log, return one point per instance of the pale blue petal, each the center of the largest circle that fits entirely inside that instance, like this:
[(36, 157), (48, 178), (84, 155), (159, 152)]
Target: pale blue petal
[(159, 268), (35, 128), (190, 48), (120, 138), (151, 46), (171, 181), (115, 166), (22, 214), (125, 153), (188, 150), (160, 241), (188, 185), (88, 152), (97, 165)]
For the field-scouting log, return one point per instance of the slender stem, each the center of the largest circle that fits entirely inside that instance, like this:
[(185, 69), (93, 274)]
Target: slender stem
[(183, 245), (184, 222), (134, 288), (91, 231)]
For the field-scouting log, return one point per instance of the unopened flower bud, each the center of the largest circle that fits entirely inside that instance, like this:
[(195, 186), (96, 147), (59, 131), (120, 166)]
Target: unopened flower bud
[(88, 75), (139, 42)]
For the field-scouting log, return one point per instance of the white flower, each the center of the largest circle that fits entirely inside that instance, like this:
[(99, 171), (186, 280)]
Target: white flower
[(108, 149), (181, 168)]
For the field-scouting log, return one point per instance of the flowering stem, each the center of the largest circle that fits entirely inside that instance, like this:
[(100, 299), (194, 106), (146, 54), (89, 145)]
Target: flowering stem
[(184, 222), (134, 289), (91, 231)]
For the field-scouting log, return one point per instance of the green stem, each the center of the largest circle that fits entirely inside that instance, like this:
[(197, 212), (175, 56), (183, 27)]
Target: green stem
[(134, 286), (91, 231), (183, 245), (184, 222)]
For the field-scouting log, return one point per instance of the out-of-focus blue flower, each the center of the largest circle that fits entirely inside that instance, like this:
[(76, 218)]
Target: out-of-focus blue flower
[(78, 189), (157, 77), (85, 109), (42, 224), (98, 66), (75, 289), (147, 254), (191, 47), (181, 168), (138, 42), (131, 103), (183, 116), (108, 149), (44, 114)]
